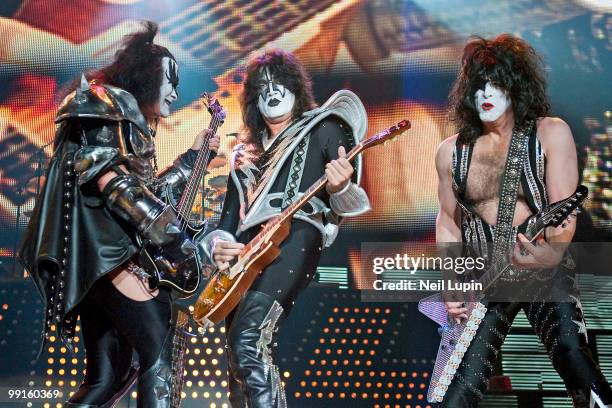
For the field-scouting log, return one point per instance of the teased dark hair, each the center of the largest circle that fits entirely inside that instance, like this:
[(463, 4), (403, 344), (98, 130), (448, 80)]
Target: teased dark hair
[(290, 72), (509, 63), (137, 68)]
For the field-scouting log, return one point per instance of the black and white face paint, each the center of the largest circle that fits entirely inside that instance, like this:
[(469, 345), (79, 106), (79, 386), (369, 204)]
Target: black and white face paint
[(274, 101), (167, 90)]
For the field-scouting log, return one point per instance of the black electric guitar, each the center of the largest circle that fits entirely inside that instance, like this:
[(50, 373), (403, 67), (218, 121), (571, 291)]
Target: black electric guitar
[(185, 277)]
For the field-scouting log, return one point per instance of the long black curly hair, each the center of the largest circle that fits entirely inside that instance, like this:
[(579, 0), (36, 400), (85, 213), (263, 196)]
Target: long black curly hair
[(137, 68), (290, 72), (511, 64)]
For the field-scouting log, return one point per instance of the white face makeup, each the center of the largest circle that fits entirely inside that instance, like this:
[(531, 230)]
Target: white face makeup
[(167, 91), (275, 102), (491, 102)]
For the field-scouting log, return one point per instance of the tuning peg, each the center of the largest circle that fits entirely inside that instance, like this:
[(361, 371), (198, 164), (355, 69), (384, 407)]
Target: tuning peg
[(564, 225)]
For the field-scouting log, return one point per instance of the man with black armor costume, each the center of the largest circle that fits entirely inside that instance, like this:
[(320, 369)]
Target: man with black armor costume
[(289, 145), (499, 103), (100, 191)]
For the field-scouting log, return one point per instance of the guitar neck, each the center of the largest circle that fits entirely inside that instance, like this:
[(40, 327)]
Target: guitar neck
[(191, 189)]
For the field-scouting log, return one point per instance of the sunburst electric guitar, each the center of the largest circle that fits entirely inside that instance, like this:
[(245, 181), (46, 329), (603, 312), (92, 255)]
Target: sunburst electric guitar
[(225, 288)]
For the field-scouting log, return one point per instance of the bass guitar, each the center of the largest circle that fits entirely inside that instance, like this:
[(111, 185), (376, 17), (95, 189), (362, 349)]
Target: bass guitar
[(225, 288), (457, 337), (184, 279)]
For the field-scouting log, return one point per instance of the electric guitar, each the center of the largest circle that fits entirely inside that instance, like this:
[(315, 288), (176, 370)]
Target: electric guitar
[(185, 277), (225, 288), (457, 337)]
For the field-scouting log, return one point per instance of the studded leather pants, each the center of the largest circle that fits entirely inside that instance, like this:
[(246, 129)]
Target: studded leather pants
[(560, 327)]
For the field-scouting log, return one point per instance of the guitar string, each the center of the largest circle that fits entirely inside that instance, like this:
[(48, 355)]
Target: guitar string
[(186, 200), (201, 161)]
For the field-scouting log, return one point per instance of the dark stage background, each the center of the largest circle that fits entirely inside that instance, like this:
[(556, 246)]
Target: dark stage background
[(400, 57)]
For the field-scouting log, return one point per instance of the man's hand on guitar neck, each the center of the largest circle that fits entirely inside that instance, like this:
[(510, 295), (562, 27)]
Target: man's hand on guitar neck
[(213, 143), (540, 254), (224, 253), (338, 172)]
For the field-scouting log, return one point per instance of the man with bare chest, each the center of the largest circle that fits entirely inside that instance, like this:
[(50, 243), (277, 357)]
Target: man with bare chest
[(498, 100)]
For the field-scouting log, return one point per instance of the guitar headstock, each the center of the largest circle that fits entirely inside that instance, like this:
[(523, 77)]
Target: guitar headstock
[(559, 211), (386, 134), (213, 106)]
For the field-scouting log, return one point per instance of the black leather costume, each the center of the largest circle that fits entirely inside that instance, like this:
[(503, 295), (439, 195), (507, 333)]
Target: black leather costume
[(78, 234), (558, 320), (296, 159)]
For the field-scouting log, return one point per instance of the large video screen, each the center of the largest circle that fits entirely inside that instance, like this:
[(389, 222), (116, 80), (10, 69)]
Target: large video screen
[(399, 56)]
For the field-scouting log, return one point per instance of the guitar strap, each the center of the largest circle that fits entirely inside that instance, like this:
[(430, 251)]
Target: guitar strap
[(508, 194)]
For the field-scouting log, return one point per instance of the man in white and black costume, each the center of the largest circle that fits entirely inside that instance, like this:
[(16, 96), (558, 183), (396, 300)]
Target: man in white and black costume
[(288, 145)]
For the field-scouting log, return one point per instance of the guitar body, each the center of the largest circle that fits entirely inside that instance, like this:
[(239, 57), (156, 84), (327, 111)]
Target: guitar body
[(454, 342), (183, 279), (223, 293)]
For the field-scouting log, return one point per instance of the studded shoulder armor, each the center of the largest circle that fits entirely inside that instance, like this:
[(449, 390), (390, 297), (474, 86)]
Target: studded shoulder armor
[(92, 100)]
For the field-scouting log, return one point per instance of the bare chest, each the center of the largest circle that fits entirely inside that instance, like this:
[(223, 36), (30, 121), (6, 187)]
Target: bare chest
[(485, 173)]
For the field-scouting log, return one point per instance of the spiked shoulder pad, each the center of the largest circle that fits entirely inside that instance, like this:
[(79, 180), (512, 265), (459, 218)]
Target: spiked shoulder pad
[(94, 100)]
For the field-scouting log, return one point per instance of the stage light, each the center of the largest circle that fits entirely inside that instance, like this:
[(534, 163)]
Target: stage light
[(134, 394), (194, 394), (206, 394)]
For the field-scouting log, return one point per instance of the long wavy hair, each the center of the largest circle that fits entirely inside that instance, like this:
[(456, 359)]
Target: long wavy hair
[(511, 64), (290, 72), (137, 68)]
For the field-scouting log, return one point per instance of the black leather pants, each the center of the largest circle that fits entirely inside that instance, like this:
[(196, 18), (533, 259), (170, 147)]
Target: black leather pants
[(113, 326), (561, 329)]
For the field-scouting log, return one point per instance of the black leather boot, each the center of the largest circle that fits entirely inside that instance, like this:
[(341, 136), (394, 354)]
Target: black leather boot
[(597, 395), (160, 385), (125, 388), (250, 340)]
